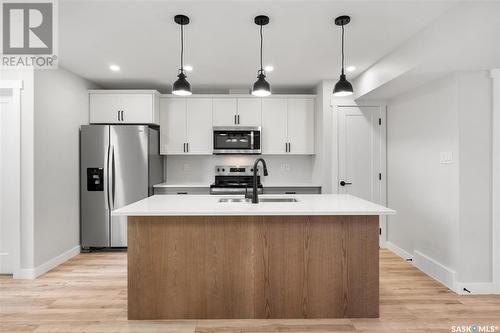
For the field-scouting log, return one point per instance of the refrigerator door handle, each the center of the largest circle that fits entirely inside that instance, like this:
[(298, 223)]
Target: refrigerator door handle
[(111, 177), (106, 177)]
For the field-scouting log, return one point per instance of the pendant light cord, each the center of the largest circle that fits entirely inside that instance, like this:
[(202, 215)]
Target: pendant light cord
[(261, 43), (182, 48), (342, 49)]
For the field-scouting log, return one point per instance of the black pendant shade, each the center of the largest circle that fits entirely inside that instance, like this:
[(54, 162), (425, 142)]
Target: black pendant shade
[(261, 87), (342, 87), (181, 86)]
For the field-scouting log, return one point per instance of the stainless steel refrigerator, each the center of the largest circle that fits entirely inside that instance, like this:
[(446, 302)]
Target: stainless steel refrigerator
[(119, 164)]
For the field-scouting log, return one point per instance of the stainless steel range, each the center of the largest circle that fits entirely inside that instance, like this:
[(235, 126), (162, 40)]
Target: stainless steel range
[(234, 179)]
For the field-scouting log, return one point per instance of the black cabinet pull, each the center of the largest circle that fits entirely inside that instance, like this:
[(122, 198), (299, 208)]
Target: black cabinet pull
[(290, 192), (182, 193), (118, 115), (343, 183)]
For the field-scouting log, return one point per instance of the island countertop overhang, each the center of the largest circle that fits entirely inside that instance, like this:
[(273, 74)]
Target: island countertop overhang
[(209, 205)]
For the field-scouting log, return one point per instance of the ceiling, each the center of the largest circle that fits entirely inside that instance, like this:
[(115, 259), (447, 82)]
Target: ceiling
[(221, 42)]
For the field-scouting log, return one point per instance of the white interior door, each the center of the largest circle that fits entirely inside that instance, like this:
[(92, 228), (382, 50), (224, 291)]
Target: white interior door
[(10, 205), (359, 149)]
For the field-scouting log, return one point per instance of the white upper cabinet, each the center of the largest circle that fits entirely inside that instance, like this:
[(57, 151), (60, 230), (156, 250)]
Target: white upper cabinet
[(237, 111), (225, 111), (249, 112), (300, 121), (287, 122), (172, 126), (186, 126), (123, 107), (199, 126), (274, 127), (288, 126)]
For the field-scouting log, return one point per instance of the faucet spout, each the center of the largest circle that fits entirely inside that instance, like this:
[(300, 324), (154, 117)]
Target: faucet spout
[(255, 194)]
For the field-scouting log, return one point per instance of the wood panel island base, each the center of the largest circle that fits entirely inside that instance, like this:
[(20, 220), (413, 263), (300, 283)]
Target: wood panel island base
[(198, 267), (202, 257)]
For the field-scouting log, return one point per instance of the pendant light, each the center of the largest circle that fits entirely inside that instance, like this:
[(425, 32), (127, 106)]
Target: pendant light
[(261, 87), (181, 86), (342, 87)]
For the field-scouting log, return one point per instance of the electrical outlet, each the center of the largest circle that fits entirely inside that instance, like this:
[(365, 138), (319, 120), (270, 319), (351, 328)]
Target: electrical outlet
[(285, 167), (446, 157)]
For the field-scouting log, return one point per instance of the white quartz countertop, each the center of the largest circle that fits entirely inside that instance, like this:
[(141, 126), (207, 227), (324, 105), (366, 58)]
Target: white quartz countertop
[(203, 205), (172, 185)]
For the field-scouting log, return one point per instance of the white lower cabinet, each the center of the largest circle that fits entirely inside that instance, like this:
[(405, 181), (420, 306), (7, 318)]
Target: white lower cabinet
[(123, 107), (288, 126), (186, 126)]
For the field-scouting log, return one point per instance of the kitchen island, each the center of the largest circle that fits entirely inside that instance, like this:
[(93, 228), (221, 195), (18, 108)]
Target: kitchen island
[(194, 257)]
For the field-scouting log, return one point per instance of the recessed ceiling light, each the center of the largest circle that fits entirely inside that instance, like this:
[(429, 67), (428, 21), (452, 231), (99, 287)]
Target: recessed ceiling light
[(188, 68), (114, 68), (269, 68), (350, 68)]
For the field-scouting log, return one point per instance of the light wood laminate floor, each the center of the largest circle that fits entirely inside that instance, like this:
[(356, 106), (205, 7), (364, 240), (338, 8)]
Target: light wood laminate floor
[(88, 294)]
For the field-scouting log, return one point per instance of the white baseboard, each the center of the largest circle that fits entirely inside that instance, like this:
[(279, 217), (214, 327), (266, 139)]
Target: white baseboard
[(477, 288), (398, 251), (33, 273), (435, 270), (429, 266)]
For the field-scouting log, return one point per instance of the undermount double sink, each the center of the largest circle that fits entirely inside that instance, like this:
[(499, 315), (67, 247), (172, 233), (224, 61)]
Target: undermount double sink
[(239, 200)]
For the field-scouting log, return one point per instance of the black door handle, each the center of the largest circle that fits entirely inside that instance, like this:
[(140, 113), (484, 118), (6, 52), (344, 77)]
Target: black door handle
[(343, 183)]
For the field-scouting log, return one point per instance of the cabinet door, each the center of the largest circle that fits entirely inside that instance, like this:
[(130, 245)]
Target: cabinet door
[(172, 125), (274, 128), (137, 108), (301, 126), (224, 111), (249, 111), (199, 125), (104, 108)]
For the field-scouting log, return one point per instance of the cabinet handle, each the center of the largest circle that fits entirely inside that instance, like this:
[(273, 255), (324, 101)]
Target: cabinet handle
[(235, 121), (238, 119), (184, 147), (122, 115), (286, 147), (290, 192), (187, 146), (118, 115), (289, 147), (182, 193)]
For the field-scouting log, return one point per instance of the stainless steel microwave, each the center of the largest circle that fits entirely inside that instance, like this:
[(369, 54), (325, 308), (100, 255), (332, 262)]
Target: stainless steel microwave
[(237, 140)]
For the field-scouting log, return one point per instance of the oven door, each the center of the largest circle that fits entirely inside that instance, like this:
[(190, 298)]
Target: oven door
[(237, 140)]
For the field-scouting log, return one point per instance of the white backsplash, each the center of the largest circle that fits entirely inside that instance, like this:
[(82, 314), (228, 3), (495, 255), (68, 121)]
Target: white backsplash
[(200, 169)]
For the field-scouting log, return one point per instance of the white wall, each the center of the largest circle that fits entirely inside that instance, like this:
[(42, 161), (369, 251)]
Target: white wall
[(61, 106), (475, 119), (443, 210), (424, 192), (200, 169)]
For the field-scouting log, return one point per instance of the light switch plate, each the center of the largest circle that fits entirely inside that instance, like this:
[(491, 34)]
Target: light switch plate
[(446, 157)]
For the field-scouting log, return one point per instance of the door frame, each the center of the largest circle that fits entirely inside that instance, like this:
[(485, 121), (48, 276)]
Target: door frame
[(337, 103), (16, 86)]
